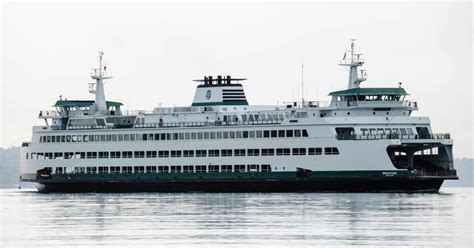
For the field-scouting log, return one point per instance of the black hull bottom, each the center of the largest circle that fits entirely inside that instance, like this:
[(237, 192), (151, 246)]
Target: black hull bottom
[(390, 185)]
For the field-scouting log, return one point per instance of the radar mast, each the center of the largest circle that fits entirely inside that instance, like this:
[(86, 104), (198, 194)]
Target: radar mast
[(99, 75), (353, 61)]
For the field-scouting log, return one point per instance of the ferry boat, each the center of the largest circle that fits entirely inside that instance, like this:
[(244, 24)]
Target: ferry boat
[(363, 140)]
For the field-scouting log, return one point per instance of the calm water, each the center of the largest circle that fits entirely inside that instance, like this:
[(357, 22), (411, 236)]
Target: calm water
[(303, 219)]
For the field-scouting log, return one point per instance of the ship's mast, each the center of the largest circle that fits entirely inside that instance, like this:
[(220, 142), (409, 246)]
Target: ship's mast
[(353, 61), (97, 88)]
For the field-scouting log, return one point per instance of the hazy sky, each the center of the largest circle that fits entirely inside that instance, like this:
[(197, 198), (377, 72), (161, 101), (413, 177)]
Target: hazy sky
[(154, 50)]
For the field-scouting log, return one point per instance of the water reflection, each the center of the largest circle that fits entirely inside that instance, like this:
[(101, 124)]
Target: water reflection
[(237, 219)]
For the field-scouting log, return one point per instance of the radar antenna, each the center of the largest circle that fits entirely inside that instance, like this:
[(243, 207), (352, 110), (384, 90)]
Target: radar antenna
[(99, 75)]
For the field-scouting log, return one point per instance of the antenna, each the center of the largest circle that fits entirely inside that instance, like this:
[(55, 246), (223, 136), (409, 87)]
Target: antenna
[(302, 85)]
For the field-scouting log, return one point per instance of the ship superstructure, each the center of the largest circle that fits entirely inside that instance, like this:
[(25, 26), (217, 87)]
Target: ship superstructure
[(364, 139)]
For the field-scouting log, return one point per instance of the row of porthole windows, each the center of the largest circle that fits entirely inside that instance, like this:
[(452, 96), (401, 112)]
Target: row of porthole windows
[(291, 133), (185, 153), (167, 169)]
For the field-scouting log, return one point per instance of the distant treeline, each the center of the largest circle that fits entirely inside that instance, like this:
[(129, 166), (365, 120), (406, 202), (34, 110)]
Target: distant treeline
[(10, 170)]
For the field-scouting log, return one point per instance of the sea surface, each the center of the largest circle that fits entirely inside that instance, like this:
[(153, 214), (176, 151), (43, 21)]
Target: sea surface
[(32, 219)]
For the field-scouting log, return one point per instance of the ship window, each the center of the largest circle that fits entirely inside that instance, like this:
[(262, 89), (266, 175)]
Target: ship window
[(388, 131), (244, 118), (114, 169), (259, 134), (213, 168), (283, 151), (266, 133), (315, 151), (226, 153), (187, 136), (213, 153), (181, 136), (239, 168), (331, 151), (156, 136), (109, 137), (91, 170), (168, 136), (132, 137), (239, 152), (74, 138), (245, 134), (188, 153), (58, 155), (79, 169), (103, 170), (281, 133), (206, 135), (91, 138), (201, 153), (151, 154), (299, 151), (126, 137), (252, 167), (200, 135), (379, 131), (127, 169), (68, 155), (274, 133), (53, 139), (226, 168), (175, 154), (251, 134), (297, 133), (175, 169), (91, 155), (175, 136), (103, 154), (305, 133), (188, 168), (266, 168), (151, 169), (410, 131), (231, 135), (403, 131), (163, 169), (289, 133), (79, 138), (127, 154), (114, 154), (253, 152), (138, 169), (139, 154), (225, 135), (200, 168), (251, 118), (238, 134), (193, 136), (268, 152), (96, 138), (372, 131)]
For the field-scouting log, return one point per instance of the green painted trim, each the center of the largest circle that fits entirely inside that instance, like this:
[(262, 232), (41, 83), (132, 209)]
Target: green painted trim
[(219, 176), (83, 103), (369, 91), (196, 104)]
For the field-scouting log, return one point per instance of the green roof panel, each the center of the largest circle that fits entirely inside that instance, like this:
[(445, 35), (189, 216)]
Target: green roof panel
[(83, 103), (369, 91)]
